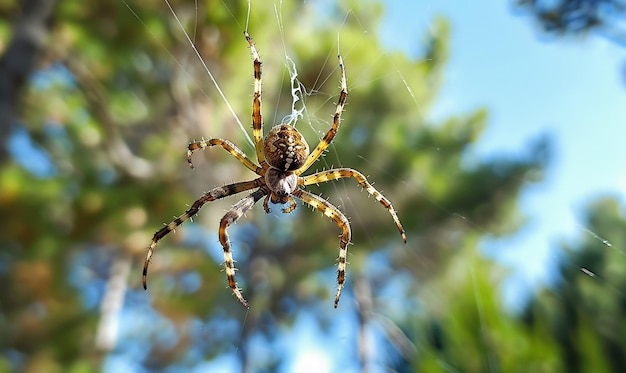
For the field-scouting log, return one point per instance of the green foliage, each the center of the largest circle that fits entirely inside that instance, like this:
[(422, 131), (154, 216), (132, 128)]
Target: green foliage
[(578, 17), (584, 311)]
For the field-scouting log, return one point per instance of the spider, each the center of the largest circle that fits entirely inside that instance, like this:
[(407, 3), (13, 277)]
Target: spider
[(282, 157)]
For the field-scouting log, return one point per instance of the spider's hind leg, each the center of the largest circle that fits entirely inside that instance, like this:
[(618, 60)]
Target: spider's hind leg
[(332, 212), (212, 195), (231, 216)]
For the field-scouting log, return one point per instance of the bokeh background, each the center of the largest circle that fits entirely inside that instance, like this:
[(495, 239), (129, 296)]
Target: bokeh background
[(495, 129)]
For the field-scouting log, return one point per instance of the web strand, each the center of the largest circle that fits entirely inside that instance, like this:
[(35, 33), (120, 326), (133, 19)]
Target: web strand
[(208, 71)]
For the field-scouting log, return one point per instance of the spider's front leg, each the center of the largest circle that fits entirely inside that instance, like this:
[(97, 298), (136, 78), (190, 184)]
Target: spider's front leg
[(257, 116), (330, 135), (231, 216)]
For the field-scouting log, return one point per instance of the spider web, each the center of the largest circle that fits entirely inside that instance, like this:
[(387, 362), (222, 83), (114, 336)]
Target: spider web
[(302, 112)]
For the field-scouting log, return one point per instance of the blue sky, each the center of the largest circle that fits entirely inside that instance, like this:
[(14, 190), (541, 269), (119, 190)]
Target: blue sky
[(570, 89)]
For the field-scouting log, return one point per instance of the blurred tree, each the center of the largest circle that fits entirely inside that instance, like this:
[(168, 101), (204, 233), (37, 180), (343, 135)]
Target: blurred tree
[(467, 328), (97, 165), (576, 17), (19, 59), (583, 312)]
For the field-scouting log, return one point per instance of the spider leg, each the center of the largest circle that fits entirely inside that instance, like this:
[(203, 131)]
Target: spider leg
[(257, 117), (231, 216), (328, 138), (332, 212), (338, 173), (228, 146), (211, 195), (266, 204)]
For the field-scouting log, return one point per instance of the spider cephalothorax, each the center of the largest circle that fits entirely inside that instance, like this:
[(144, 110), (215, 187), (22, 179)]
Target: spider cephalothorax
[(282, 157)]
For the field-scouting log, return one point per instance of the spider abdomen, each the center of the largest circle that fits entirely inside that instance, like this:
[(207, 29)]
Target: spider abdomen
[(285, 148)]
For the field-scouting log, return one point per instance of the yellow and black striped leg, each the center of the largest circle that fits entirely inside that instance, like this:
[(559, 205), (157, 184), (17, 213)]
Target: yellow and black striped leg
[(212, 195), (330, 135), (331, 211), (338, 173), (257, 116), (231, 216), (228, 146)]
